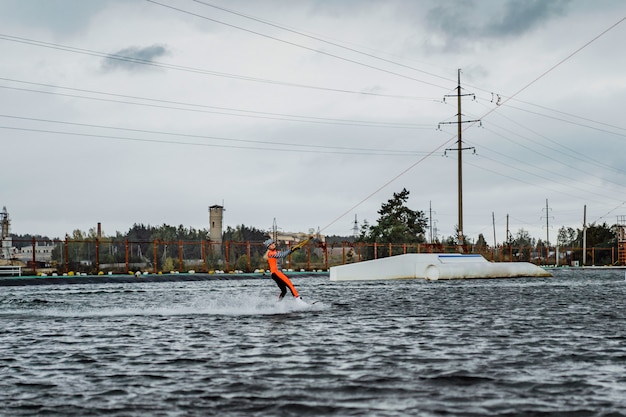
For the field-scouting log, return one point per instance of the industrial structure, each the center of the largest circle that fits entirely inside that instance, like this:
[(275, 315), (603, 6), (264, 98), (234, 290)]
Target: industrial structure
[(621, 240), (216, 219), (5, 225)]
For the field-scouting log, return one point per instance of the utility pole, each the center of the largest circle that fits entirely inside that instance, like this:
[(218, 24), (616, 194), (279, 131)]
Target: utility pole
[(460, 149), (508, 232), (493, 220), (547, 225), (275, 231), (547, 245), (494, 250), (430, 219), (585, 236)]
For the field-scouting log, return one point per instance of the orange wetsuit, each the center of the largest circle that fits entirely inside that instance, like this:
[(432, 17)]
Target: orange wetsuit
[(277, 275)]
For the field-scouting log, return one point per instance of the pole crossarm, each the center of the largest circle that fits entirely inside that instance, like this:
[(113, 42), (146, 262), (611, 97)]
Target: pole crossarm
[(462, 121), (459, 95), (456, 149)]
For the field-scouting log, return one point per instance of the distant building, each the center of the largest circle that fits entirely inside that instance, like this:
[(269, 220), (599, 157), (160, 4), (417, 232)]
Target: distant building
[(288, 238), (43, 253)]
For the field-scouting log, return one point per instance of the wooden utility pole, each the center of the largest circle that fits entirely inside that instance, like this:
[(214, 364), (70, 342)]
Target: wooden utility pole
[(430, 219), (460, 149), (460, 163), (547, 225), (547, 244), (493, 220), (585, 235), (508, 232)]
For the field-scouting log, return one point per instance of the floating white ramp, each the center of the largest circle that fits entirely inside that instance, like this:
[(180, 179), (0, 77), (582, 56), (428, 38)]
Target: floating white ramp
[(433, 266)]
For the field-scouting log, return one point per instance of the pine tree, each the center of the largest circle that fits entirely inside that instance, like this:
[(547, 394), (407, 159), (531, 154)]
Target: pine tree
[(397, 223)]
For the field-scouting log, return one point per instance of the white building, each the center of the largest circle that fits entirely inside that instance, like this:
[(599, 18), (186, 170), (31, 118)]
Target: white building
[(43, 253)]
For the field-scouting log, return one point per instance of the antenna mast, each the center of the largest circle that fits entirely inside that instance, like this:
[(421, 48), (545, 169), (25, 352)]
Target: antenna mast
[(274, 231)]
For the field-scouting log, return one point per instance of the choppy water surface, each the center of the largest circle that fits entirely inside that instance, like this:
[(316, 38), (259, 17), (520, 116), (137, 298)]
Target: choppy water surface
[(554, 346)]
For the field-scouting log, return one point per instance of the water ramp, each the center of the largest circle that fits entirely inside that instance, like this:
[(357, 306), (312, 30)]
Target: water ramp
[(434, 266)]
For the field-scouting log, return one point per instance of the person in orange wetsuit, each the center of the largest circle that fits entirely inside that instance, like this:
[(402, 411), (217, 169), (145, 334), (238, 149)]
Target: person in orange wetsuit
[(273, 255)]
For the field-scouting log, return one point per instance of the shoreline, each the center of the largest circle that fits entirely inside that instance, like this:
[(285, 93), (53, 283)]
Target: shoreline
[(26, 280)]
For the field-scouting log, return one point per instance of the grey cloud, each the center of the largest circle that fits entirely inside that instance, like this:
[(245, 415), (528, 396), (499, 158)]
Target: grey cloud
[(522, 15), (63, 17), (483, 21), (451, 20), (132, 58)]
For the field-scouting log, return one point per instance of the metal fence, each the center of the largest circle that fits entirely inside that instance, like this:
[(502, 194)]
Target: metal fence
[(102, 256)]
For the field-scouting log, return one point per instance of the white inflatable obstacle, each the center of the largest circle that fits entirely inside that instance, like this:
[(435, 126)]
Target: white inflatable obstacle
[(434, 266)]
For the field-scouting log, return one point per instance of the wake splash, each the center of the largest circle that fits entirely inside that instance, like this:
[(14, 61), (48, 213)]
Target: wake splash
[(208, 304)]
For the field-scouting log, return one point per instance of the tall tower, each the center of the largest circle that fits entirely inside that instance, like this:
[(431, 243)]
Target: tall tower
[(216, 216), (4, 234), (621, 239)]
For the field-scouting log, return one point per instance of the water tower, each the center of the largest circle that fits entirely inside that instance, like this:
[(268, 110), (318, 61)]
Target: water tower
[(216, 216)]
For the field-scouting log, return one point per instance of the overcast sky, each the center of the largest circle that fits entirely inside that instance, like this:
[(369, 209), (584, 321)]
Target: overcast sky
[(311, 113)]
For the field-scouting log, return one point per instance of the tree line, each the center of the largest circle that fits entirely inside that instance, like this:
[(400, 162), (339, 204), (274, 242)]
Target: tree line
[(397, 223)]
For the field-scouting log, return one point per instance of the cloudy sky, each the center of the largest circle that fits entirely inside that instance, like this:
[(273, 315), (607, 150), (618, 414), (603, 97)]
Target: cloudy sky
[(311, 113)]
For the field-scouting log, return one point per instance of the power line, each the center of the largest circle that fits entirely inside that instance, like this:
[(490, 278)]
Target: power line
[(280, 146), (297, 45), (559, 149), (536, 167), (201, 71), (201, 108), (282, 27), (575, 123), (546, 179), (553, 67), (514, 98), (470, 125), (566, 114), (285, 28)]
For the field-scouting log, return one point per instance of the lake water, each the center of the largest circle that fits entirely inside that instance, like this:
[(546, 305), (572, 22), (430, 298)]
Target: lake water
[(534, 347)]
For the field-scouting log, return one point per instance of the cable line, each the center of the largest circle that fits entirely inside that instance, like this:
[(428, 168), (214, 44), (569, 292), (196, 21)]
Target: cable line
[(574, 123), (547, 180), (566, 114), (254, 114), (609, 212), (472, 124), (282, 145), (571, 153), (256, 19), (552, 68), (198, 70), (298, 45), (282, 27)]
